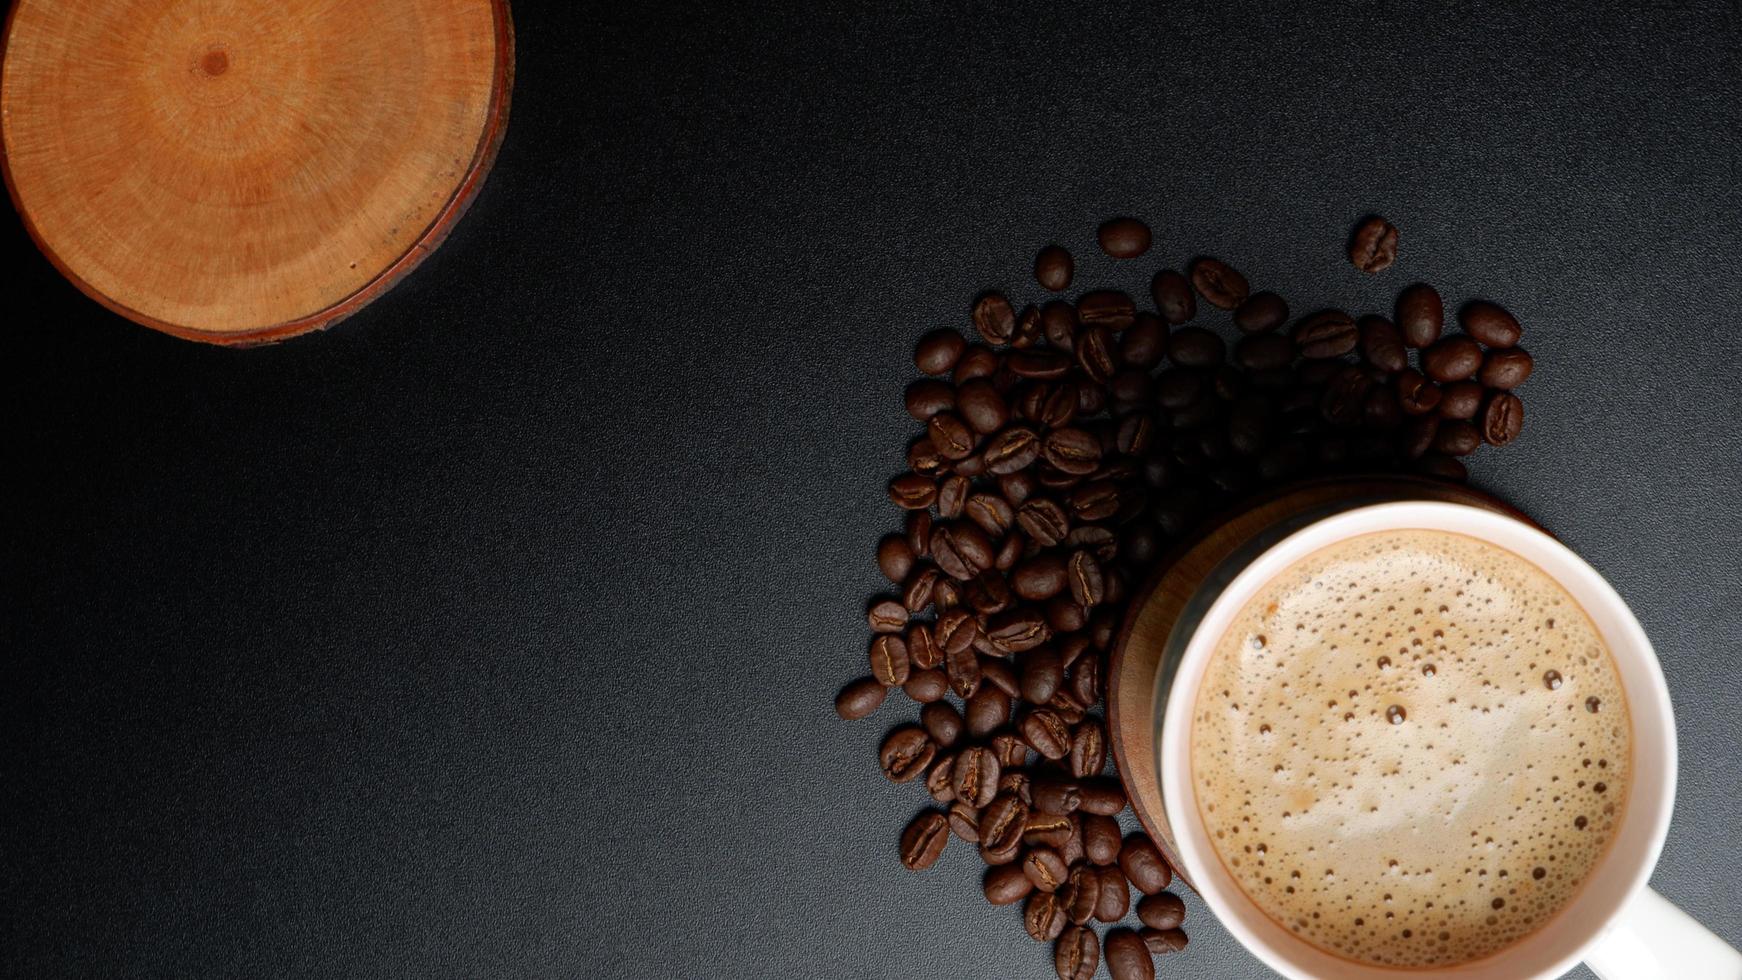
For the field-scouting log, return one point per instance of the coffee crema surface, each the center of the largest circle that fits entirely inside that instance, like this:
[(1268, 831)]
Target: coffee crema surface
[(1411, 748)]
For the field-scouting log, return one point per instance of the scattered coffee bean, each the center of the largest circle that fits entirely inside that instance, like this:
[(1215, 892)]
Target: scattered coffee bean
[(1418, 436), (1460, 400), (1046, 869), (988, 708), (1106, 308), (942, 722), (1143, 865), (1124, 238), (1415, 394), (1103, 796), (1055, 796), (1505, 369), (938, 351), (1261, 313), (889, 663), (1161, 911), (999, 674), (994, 319), (965, 822), (927, 398), (1490, 324), (1088, 584), (860, 698), (1088, 750), (1046, 733), (1374, 245), (1042, 673), (1012, 751), (1381, 345), (1264, 352), (1002, 823), (1442, 466), (1195, 347), (1077, 954), (1144, 343), (1324, 335), (1173, 297), (1051, 829), (1081, 894), (1457, 437), (1128, 957), (924, 840), (913, 491), (1053, 268), (906, 753), (1453, 358), (976, 362), (1042, 364), (1218, 283), (1420, 315), (1101, 837), (1044, 916), (887, 616), (1012, 449), (1502, 418), (1006, 884), (1115, 898), (981, 406), (895, 557)]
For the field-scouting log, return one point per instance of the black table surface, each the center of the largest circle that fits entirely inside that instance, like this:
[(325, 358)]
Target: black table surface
[(495, 631)]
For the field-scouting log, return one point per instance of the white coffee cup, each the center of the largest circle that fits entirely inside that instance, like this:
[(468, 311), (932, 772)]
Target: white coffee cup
[(1615, 924)]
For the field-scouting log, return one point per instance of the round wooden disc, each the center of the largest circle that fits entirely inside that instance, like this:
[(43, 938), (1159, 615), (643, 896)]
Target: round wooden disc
[(1150, 619), (243, 170)]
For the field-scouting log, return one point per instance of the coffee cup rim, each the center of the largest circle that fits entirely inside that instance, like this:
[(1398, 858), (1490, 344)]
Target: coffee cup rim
[(1623, 871)]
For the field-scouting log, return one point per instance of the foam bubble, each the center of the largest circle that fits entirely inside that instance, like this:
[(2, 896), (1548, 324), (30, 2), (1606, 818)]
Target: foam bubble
[(1461, 803)]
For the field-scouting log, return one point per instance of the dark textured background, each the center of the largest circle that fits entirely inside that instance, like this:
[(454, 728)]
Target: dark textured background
[(495, 631)]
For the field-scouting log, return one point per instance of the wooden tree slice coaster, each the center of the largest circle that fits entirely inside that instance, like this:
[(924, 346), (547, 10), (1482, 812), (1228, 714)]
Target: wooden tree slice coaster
[(238, 171), (1149, 621)]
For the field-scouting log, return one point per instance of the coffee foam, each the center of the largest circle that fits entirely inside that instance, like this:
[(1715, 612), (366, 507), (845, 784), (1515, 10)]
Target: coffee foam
[(1411, 748)]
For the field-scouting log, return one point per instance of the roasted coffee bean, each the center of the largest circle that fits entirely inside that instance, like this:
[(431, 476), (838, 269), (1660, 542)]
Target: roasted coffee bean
[(1028, 334), (988, 593), (923, 458), (1077, 954), (1088, 750), (1218, 283), (942, 723), (1163, 941), (988, 709), (1081, 894), (1087, 582), (1343, 400), (946, 595), (1016, 781), (992, 513), (1002, 823), (940, 782), (913, 491), (917, 593), (1053, 267), (1016, 630), (1072, 451), (1046, 868), (962, 667), (889, 663), (1128, 956), (951, 436), (926, 686), (918, 531), (1161, 911), (1460, 400), (1490, 324), (1016, 488), (1195, 347), (1066, 705), (1260, 313), (1058, 324), (1420, 315), (1098, 541), (1249, 424), (1374, 245), (1041, 674), (1505, 369), (1103, 796), (926, 398), (1457, 437), (1095, 501), (924, 840), (1103, 623), (976, 770), (1443, 467), (1178, 389), (887, 616), (1115, 898), (1043, 917), (1453, 358), (965, 822), (1044, 521), (1379, 410), (1011, 750), (1381, 345), (1010, 551), (860, 698), (1006, 884), (895, 557), (1143, 345), (1012, 449), (1101, 839), (1057, 796), (997, 672), (981, 406), (978, 361), (1094, 350), (1043, 364), (1173, 297), (906, 753), (1416, 395), (1054, 406), (1264, 351), (1325, 334), (1418, 436), (1051, 829), (994, 318), (1123, 238), (1502, 418), (1040, 577), (1141, 862), (955, 631), (1072, 848), (938, 351), (1136, 434), (961, 550), (1106, 308), (1046, 733)]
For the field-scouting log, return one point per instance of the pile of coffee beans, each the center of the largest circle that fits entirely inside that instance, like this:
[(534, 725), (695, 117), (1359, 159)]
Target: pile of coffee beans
[(1063, 448)]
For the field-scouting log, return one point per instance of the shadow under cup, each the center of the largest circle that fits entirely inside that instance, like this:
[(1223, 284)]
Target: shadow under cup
[(1622, 872)]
